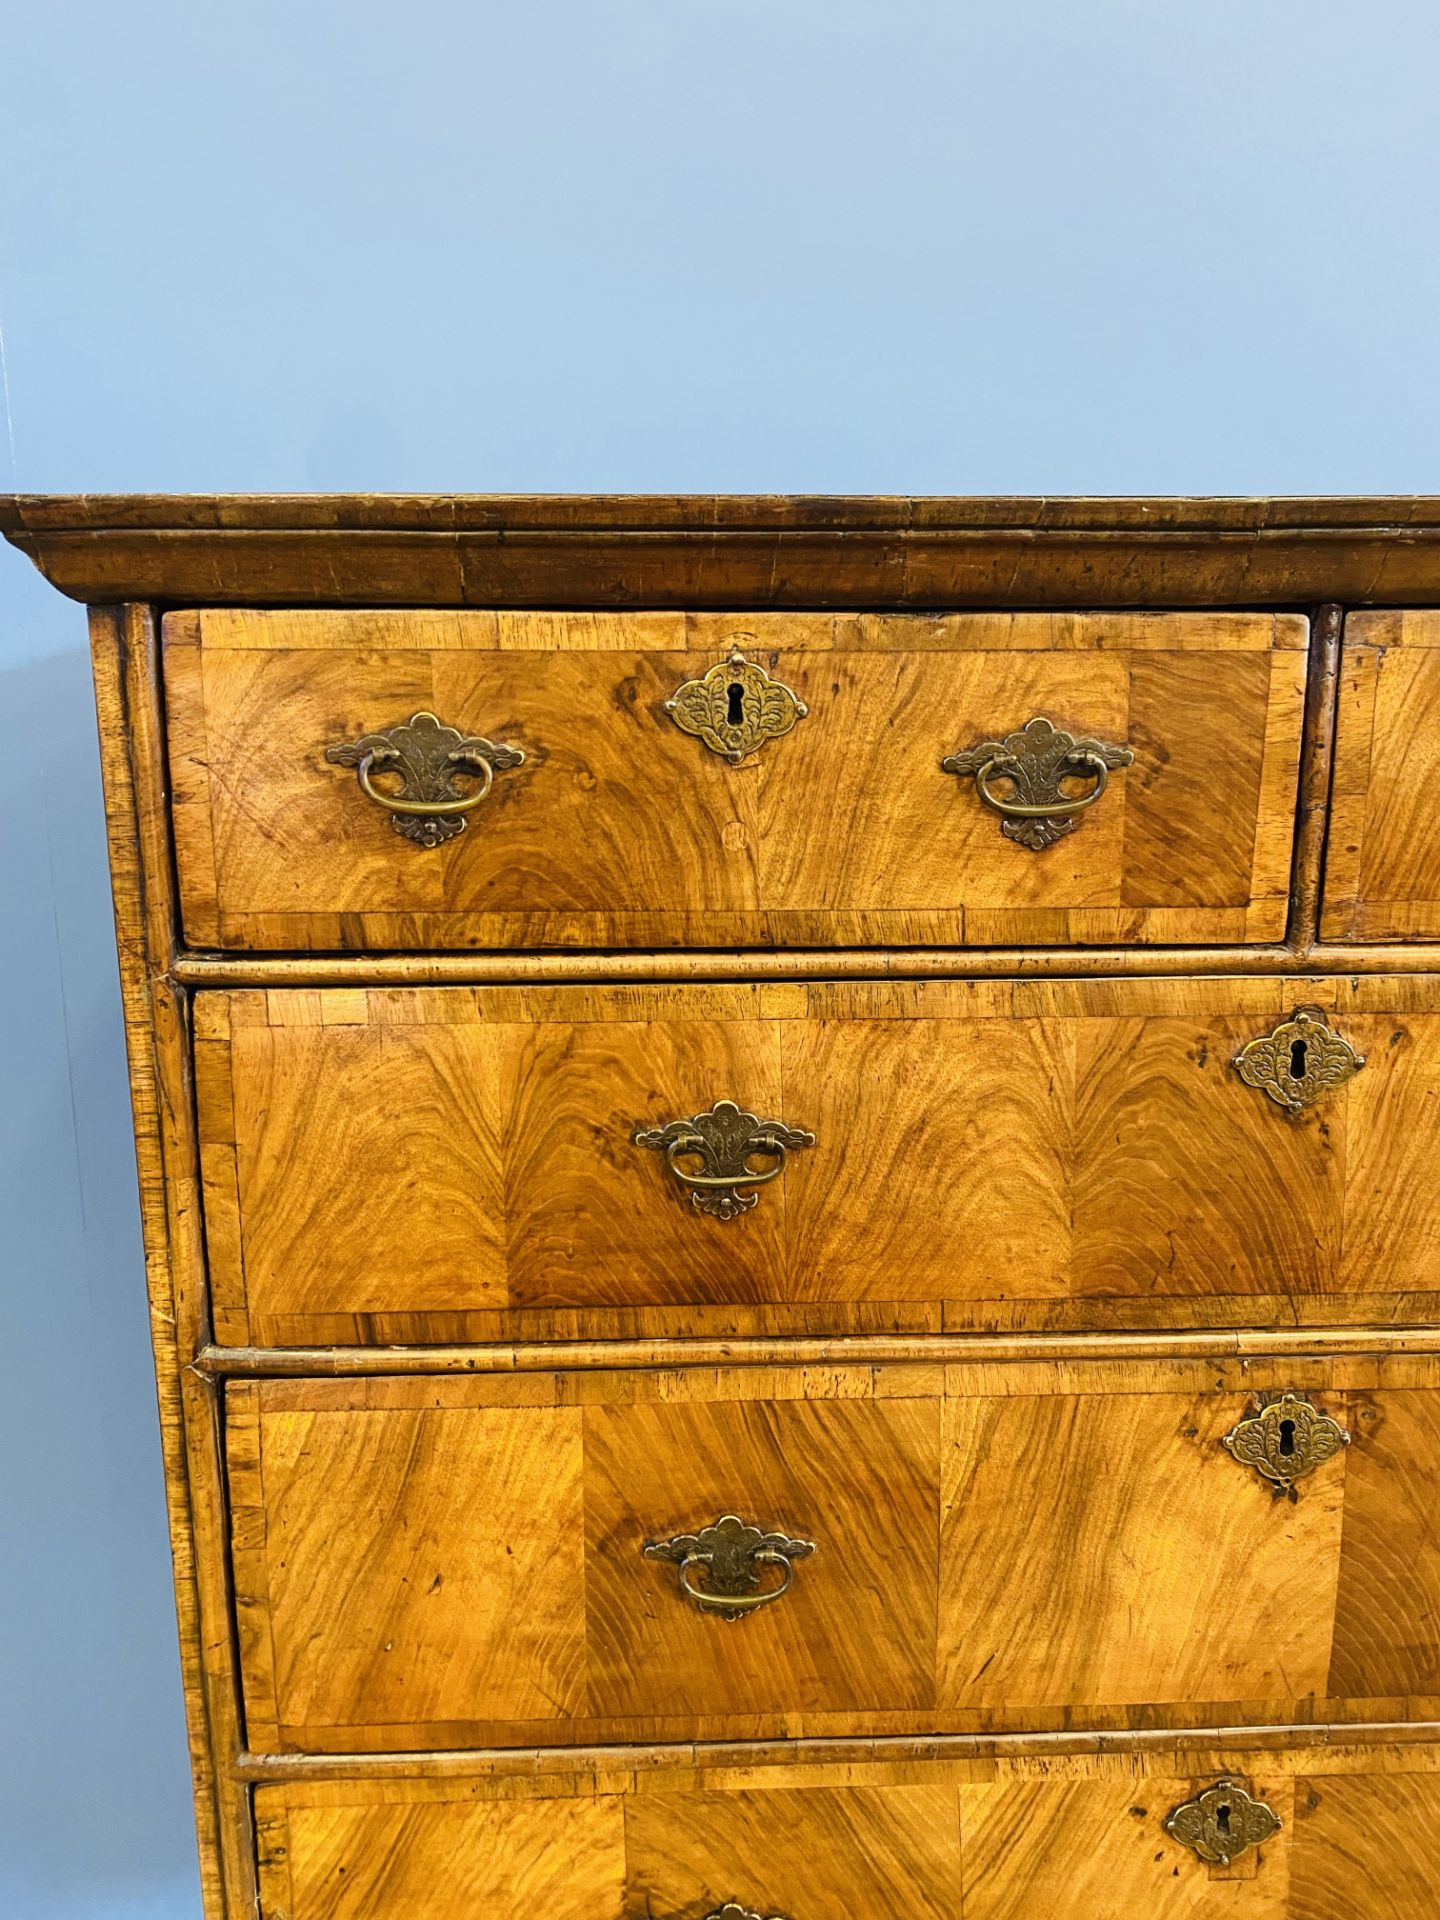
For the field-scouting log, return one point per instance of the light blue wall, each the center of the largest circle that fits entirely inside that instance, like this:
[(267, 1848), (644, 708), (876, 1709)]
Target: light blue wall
[(810, 245)]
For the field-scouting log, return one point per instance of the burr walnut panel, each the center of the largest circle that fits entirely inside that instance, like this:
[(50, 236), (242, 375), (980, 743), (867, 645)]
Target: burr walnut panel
[(902, 1839), (426, 1563), (404, 1165), (1382, 879), (620, 829)]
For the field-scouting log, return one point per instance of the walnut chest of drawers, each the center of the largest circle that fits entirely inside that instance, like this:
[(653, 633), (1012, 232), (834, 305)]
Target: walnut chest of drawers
[(788, 1154)]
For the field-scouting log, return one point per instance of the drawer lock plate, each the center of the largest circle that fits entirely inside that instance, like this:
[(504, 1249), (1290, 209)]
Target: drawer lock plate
[(735, 707), (1285, 1439), (1300, 1062), (1222, 1823)]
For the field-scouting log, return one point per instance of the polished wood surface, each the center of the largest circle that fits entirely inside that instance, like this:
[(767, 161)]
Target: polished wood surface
[(979, 1343), (999, 1547), (408, 1165), (707, 550), (897, 1840), (620, 829), (199, 970), (125, 650), (1383, 870)]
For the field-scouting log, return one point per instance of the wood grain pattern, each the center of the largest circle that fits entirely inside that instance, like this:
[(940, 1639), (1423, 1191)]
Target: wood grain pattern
[(619, 829), (199, 970), (1379, 1747), (1382, 874), (449, 1164), (1000, 1547), (126, 668), (1399, 1342), (729, 550), (1317, 772), (1038, 1572), (994, 1838)]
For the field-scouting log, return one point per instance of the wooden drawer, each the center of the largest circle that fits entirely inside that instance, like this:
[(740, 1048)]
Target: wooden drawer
[(621, 829), (1078, 1836), (413, 1165), (446, 1562), (1382, 873)]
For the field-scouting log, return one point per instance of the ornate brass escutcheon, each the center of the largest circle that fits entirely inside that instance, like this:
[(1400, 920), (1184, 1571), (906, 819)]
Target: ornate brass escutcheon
[(1222, 1823), (428, 807), (1284, 1439), (733, 1911), (724, 1141), (732, 1552), (735, 707), (1037, 811), (1299, 1062)]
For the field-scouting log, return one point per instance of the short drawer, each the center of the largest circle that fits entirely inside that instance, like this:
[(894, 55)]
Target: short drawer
[(1382, 862), (1081, 1836), (619, 1556), (623, 779), (406, 1166)]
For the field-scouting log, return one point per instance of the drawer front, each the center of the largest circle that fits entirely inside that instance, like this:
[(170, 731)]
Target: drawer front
[(1382, 871), (620, 827), (1085, 1837), (405, 1166), (555, 1559)]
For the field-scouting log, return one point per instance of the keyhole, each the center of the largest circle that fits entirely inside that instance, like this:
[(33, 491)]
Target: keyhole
[(1287, 1437), (735, 703), (1222, 1818), (1297, 1059)]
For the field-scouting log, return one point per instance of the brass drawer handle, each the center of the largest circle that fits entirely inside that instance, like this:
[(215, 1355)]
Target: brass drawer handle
[(426, 755), (724, 1141), (732, 1910), (1299, 1062), (735, 707), (732, 1552), (1284, 1439), (1035, 761), (1222, 1823)]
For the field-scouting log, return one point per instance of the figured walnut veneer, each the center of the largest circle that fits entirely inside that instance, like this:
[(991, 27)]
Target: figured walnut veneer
[(621, 829), (981, 1343)]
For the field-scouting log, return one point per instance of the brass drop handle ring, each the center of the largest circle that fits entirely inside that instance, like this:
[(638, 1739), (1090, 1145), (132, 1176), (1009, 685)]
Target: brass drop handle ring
[(731, 1552), (748, 1176), (724, 1141), (425, 756), (1052, 809), (732, 1604), (1036, 758), (428, 809)]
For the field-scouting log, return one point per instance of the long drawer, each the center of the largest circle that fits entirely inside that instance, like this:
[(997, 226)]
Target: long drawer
[(554, 1558), (412, 1165), (1085, 1837), (443, 779)]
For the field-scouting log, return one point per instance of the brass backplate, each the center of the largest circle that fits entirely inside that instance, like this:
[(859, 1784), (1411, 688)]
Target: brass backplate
[(1299, 1061), (735, 707), (1284, 1439), (735, 1557), (721, 1145), (1222, 1822), (428, 808), (1035, 760)]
